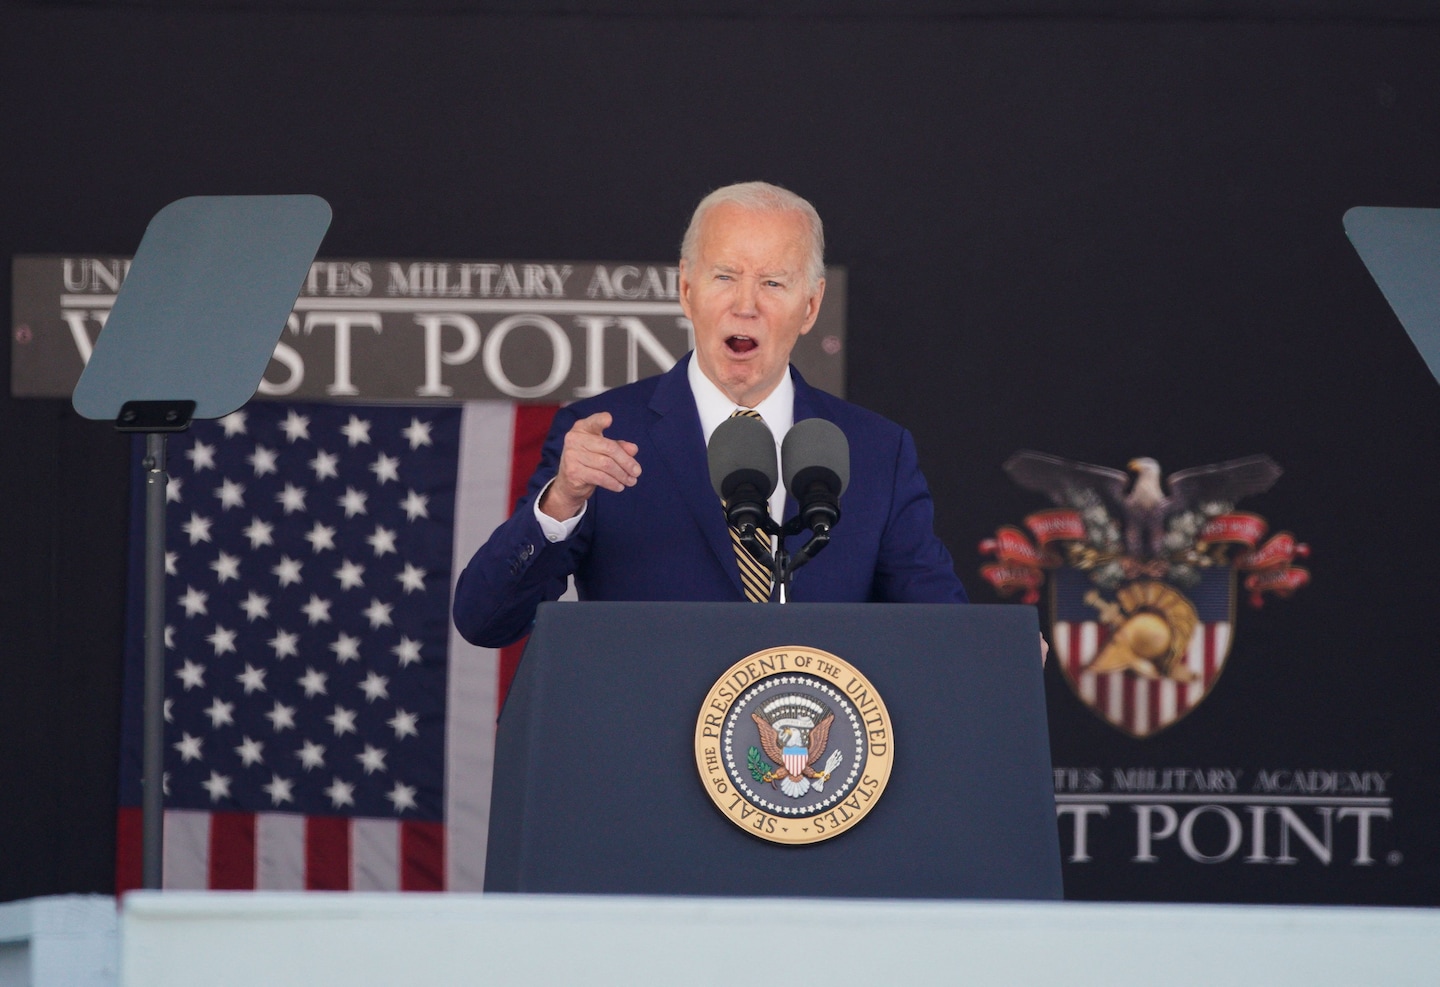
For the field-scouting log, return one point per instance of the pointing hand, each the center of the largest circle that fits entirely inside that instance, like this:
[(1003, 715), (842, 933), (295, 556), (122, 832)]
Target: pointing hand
[(589, 460)]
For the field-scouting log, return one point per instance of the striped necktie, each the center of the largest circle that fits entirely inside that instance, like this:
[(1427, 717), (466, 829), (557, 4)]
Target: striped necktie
[(753, 576)]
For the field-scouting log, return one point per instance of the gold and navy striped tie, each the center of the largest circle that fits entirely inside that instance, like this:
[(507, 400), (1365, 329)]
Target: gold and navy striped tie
[(753, 576)]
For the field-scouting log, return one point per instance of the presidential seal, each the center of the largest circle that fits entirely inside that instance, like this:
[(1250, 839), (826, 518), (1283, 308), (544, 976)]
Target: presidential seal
[(794, 745)]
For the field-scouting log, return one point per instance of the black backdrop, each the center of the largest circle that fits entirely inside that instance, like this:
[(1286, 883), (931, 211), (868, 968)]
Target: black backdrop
[(1103, 235)]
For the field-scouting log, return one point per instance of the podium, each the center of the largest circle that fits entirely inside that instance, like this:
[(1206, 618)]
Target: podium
[(596, 788)]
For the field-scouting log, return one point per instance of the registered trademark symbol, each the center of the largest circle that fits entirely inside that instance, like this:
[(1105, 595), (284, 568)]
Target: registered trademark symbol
[(1394, 857)]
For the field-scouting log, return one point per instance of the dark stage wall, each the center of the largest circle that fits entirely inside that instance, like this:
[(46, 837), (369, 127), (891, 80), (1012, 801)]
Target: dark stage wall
[(1100, 236)]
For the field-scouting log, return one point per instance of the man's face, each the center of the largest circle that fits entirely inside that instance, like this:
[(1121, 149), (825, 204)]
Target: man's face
[(749, 298)]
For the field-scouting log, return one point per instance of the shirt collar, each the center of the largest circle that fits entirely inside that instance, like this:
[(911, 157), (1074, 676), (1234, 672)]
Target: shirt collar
[(778, 410)]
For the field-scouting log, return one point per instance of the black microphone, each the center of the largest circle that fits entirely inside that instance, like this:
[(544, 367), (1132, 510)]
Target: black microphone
[(742, 470), (816, 455)]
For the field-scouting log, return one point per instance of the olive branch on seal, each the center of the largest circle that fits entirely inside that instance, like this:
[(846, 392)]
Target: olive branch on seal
[(760, 769)]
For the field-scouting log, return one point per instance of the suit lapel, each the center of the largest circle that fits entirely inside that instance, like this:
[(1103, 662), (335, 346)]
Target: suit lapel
[(804, 398), (678, 439)]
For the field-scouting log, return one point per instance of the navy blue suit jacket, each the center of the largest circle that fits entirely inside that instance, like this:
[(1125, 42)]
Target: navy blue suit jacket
[(665, 538)]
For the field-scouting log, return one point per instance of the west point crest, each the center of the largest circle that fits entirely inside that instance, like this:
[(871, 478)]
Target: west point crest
[(1143, 576), (794, 745)]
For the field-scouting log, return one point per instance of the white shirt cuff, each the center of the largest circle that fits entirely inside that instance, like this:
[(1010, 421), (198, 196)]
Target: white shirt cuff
[(552, 529)]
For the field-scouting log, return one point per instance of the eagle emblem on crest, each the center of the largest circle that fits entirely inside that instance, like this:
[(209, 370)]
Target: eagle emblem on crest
[(1143, 574), (794, 733)]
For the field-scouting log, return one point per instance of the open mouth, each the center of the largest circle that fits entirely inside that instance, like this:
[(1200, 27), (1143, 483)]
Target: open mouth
[(740, 344)]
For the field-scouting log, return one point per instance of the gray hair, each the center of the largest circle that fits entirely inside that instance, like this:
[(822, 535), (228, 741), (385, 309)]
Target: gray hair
[(761, 197)]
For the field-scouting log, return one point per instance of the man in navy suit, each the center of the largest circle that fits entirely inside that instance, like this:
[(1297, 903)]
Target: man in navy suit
[(632, 515)]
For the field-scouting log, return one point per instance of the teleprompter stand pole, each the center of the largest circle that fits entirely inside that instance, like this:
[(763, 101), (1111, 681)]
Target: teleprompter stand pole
[(152, 794), (155, 419)]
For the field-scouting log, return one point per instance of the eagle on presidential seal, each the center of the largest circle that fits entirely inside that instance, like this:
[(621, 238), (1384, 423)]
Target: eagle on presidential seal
[(794, 732), (1143, 575)]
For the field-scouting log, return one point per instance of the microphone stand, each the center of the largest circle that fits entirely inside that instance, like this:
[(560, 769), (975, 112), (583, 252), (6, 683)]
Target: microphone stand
[(781, 563), (785, 563)]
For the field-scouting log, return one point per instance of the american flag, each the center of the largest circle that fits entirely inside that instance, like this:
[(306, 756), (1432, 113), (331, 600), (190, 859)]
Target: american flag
[(325, 726)]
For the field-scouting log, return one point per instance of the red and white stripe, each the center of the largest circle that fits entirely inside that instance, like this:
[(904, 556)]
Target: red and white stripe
[(1138, 705), (500, 447), (277, 851)]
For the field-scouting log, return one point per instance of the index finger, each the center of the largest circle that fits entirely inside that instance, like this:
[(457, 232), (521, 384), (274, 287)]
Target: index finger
[(596, 424)]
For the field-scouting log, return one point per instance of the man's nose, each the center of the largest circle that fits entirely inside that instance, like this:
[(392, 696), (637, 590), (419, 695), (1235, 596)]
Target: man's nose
[(746, 294)]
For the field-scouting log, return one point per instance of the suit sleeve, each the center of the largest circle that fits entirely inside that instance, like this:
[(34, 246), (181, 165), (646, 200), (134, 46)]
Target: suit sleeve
[(518, 568), (913, 566)]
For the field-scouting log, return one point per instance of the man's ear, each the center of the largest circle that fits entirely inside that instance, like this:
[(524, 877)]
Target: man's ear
[(685, 289), (812, 306)]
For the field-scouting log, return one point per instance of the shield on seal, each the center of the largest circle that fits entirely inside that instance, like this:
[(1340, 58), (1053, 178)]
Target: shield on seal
[(1148, 652), (796, 759)]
